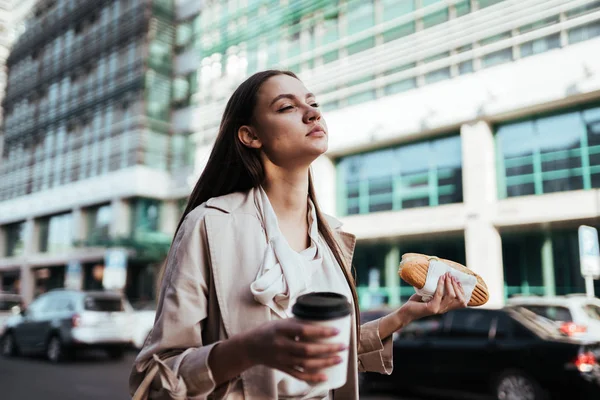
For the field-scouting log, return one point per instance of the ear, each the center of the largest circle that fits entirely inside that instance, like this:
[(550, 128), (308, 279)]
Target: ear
[(248, 137)]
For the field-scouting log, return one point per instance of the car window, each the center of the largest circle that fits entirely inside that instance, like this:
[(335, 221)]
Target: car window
[(8, 304), (554, 313), (592, 311), (471, 324), (421, 328), (38, 305), (105, 304), (507, 327)]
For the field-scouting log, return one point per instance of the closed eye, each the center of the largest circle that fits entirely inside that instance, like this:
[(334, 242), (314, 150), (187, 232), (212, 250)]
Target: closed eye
[(315, 105), (285, 108)]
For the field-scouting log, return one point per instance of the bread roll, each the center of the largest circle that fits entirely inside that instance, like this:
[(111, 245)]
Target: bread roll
[(413, 270)]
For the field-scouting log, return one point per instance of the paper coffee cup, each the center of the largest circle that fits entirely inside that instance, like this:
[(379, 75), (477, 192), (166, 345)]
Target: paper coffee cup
[(331, 310)]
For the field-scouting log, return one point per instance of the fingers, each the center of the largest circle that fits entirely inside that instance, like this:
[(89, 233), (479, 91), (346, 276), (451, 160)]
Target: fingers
[(460, 293), (305, 332), (449, 287), (314, 365), (302, 349), (439, 291), (306, 376)]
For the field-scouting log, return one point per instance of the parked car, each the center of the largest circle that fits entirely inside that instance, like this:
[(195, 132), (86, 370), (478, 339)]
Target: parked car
[(508, 354), (576, 315), (61, 321), (9, 305), (143, 322)]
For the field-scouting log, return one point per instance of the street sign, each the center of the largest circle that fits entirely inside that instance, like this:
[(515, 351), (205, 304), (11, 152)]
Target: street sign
[(73, 278), (589, 251), (115, 269), (589, 256)]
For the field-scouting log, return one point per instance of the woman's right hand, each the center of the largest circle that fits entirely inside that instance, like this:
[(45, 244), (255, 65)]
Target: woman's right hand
[(290, 346)]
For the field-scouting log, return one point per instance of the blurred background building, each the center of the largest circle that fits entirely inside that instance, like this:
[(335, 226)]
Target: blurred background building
[(90, 161), (468, 129)]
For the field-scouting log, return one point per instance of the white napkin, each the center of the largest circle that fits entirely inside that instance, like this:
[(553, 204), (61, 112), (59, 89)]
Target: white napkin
[(438, 268)]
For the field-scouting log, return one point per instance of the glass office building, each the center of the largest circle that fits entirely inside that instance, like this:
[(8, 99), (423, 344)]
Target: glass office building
[(89, 158)]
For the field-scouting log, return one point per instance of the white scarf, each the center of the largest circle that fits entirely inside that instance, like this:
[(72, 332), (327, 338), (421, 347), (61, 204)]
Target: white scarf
[(285, 274)]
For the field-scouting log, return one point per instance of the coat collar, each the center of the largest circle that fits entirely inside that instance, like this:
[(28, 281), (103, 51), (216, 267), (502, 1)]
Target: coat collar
[(243, 202)]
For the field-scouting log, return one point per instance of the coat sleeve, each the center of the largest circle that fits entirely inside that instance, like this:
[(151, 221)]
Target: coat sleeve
[(374, 353), (175, 344)]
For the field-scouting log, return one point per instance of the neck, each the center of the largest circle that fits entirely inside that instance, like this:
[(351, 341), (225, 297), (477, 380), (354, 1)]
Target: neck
[(288, 192)]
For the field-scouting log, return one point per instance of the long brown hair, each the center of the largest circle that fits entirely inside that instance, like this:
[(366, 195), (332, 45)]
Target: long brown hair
[(233, 167)]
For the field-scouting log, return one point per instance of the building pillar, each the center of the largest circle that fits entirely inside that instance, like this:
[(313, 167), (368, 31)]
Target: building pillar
[(26, 284), (548, 266), (169, 217), (3, 248), (483, 243), (121, 219), (79, 225), (392, 280), (324, 175)]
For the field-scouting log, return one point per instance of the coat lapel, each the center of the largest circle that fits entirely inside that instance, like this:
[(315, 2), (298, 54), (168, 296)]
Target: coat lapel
[(236, 245)]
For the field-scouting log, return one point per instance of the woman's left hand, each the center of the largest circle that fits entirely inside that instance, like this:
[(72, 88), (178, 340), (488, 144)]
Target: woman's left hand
[(449, 295)]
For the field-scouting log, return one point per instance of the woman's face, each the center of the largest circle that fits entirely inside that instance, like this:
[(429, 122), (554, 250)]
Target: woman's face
[(288, 126)]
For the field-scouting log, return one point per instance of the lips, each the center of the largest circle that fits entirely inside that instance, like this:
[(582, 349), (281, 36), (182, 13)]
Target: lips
[(316, 131)]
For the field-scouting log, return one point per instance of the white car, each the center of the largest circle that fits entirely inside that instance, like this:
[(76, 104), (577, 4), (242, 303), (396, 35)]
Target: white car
[(577, 315), (143, 317), (10, 304)]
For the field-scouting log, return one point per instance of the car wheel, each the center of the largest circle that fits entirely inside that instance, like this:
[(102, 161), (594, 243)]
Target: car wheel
[(55, 351), (9, 346), (115, 354), (514, 385)]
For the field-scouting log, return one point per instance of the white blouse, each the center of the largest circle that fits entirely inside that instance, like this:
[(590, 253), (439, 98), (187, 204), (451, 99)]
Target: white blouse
[(286, 274)]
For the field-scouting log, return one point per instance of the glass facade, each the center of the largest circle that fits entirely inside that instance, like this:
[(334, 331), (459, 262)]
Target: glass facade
[(542, 263), (98, 224), (549, 153), (56, 233), (15, 239), (145, 215), (420, 174)]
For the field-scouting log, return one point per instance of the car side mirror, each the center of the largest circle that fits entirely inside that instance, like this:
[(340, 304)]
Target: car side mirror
[(16, 310)]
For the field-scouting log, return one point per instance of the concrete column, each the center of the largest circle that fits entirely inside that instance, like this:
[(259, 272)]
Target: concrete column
[(3, 248), (121, 218), (482, 240), (324, 175), (392, 280), (32, 237), (79, 225), (169, 217), (548, 266), (27, 284)]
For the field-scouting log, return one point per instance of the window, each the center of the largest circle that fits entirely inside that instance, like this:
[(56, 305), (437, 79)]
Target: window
[(99, 221), (436, 17), (414, 175), (554, 313), (145, 215), (360, 17), (103, 304), (394, 8), (550, 153), (540, 45), (592, 311), (15, 239), (399, 31), (471, 324), (585, 32), (422, 328), (56, 233)]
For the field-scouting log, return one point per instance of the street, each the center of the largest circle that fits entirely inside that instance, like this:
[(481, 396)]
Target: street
[(91, 376)]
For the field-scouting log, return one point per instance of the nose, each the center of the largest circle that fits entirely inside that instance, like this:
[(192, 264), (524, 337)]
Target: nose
[(311, 115)]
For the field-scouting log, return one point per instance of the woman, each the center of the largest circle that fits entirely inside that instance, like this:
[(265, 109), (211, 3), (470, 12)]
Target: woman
[(251, 240)]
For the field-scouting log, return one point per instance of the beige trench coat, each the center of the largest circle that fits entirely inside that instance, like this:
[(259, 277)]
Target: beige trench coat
[(206, 298)]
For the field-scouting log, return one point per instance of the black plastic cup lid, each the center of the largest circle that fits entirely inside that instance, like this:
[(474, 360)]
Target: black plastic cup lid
[(321, 306)]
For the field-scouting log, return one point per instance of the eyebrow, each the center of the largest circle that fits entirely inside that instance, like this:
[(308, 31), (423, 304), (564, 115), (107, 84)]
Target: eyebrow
[(289, 96)]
